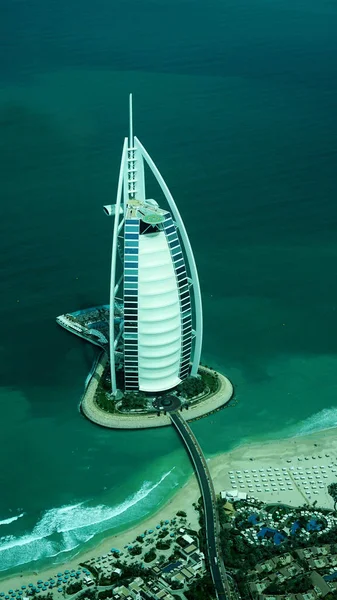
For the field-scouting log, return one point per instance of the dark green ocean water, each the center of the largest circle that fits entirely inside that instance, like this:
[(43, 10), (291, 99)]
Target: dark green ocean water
[(236, 102)]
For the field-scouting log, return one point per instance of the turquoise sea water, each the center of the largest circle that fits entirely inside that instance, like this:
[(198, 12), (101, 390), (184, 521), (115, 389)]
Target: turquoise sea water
[(236, 104)]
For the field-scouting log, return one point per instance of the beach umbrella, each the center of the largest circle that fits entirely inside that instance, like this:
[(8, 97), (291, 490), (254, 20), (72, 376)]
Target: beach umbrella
[(72, 574), (11, 591), (150, 530), (67, 571), (60, 590), (52, 581), (78, 572), (44, 589), (38, 591), (167, 522), (2, 594), (172, 534), (59, 574), (39, 581), (23, 587), (6, 597)]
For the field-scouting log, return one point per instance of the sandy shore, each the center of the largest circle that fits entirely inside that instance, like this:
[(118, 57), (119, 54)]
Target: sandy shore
[(294, 471)]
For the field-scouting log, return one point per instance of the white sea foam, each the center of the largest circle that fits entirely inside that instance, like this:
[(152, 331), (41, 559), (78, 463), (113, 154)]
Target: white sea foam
[(11, 519), (63, 529), (324, 419)]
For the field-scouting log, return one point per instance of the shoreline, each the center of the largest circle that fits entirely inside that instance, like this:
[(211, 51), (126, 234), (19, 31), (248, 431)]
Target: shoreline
[(285, 453)]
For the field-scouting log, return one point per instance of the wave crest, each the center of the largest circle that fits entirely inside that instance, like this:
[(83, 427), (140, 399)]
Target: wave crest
[(11, 519), (65, 528), (324, 419)]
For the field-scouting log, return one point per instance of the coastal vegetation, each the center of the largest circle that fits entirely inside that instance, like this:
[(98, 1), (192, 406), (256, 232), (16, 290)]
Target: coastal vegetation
[(73, 587), (295, 585), (201, 589), (133, 401), (206, 382), (104, 402), (190, 387), (150, 556), (161, 545), (210, 380), (332, 490), (135, 550)]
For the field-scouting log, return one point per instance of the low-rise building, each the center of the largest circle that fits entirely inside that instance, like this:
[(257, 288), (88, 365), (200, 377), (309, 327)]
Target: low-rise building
[(189, 549), (318, 563), (188, 573), (233, 495), (178, 577), (320, 585)]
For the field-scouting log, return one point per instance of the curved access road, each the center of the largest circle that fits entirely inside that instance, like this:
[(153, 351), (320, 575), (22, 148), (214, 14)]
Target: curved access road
[(211, 520)]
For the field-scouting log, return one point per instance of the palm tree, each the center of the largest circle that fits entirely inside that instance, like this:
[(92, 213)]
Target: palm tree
[(332, 490)]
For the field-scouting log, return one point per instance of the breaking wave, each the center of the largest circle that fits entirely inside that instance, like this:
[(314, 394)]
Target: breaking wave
[(324, 419), (11, 519), (63, 529)]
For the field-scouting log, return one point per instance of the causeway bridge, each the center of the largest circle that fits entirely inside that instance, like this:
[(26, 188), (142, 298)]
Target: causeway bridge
[(216, 563)]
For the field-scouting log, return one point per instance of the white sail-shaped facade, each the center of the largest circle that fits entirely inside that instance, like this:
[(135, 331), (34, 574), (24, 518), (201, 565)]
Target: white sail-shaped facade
[(162, 324), (159, 322)]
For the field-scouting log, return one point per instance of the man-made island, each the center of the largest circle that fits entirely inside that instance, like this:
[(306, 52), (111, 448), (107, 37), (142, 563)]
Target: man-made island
[(197, 398)]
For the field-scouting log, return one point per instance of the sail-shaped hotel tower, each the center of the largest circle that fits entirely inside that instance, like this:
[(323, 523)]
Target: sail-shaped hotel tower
[(160, 335)]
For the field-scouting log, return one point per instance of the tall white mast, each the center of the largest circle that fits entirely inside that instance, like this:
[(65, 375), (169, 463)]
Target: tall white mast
[(130, 122)]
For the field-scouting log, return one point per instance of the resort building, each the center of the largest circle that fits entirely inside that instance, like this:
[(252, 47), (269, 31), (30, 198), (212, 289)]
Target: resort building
[(154, 279)]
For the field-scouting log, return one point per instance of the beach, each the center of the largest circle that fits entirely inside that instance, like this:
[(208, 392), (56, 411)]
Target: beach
[(278, 460)]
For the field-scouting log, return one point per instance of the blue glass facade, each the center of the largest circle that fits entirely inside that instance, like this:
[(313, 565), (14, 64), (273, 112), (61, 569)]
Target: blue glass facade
[(184, 295), (131, 243)]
